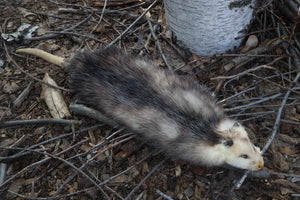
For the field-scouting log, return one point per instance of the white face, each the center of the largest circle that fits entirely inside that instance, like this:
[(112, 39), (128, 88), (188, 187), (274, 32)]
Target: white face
[(238, 149)]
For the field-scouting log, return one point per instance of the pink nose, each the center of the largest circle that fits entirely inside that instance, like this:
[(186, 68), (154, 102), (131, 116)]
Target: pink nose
[(259, 165)]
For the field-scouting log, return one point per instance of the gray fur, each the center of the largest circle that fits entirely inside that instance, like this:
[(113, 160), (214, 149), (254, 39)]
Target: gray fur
[(165, 109)]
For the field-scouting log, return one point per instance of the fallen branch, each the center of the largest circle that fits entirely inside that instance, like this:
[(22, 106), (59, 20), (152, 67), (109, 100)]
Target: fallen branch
[(38, 121)]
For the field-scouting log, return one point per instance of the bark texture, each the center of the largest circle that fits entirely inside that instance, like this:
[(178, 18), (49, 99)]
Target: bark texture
[(207, 27)]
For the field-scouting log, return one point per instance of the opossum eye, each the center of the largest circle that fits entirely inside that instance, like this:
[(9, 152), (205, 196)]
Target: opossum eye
[(245, 156), (228, 143)]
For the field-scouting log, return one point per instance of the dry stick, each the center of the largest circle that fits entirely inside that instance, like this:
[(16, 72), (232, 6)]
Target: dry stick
[(76, 34), (35, 198), (102, 142), (146, 177), (263, 79), (178, 51), (253, 103), (284, 174), (235, 95), (55, 35), (239, 183), (256, 114), (78, 170), (131, 25), (27, 197), (3, 169), (38, 121), (128, 169), (275, 84), (85, 164), (102, 13), (74, 5), (244, 72), (67, 149), (163, 195), (48, 141), (158, 45), (30, 166), (4, 113), (22, 96), (3, 165), (123, 172), (255, 32), (278, 117)]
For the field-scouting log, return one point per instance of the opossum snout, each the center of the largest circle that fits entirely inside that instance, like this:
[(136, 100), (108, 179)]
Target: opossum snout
[(259, 165), (245, 156), (239, 150)]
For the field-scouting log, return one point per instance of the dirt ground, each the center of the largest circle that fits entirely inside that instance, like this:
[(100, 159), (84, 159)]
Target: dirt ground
[(82, 158)]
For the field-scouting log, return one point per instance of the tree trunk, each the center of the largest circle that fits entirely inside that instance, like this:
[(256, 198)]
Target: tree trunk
[(207, 27)]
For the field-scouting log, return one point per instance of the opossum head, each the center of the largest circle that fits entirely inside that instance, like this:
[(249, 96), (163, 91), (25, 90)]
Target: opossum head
[(236, 146)]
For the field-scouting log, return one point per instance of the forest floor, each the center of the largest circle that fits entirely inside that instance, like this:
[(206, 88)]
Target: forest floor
[(42, 158)]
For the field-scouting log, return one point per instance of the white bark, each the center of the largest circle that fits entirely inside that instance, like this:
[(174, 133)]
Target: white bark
[(207, 27)]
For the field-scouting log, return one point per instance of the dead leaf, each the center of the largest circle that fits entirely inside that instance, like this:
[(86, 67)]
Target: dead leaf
[(7, 142), (92, 137), (288, 139), (287, 183), (120, 179), (10, 87), (122, 155), (177, 170), (287, 151), (285, 190), (54, 100), (17, 185), (281, 162), (102, 28)]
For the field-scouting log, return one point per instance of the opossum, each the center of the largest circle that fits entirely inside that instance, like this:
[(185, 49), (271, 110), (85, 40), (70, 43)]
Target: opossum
[(171, 112)]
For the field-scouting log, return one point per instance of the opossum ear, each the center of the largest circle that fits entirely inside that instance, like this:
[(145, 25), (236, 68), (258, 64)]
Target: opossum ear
[(228, 143)]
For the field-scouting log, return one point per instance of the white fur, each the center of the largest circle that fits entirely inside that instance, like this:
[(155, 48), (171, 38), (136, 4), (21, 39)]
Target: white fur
[(228, 129), (231, 130), (169, 129)]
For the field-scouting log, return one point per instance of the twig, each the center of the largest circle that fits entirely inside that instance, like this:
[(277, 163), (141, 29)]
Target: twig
[(131, 25), (275, 128), (30, 166), (38, 121), (101, 16), (21, 97), (76, 34), (146, 177), (158, 45), (277, 122), (284, 174), (3, 168), (178, 51), (22, 153), (253, 103), (88, 162), (55, 35), (237, 94), (163, 195), (244, 72)]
